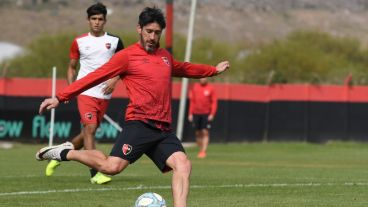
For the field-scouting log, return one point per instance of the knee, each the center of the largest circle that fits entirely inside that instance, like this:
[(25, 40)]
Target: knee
[(186, 167), (113, 168), (90, 128), (183, 166), (205, 132)]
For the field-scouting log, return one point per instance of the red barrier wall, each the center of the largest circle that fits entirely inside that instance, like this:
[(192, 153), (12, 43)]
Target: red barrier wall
[(234, 92)]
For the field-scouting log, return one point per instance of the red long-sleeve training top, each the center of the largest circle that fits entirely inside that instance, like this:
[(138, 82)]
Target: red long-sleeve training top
[(203, 99), (147, 78)]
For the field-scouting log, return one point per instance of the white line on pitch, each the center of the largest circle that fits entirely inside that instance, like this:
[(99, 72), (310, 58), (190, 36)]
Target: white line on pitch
[(43, 176), (193, 187)]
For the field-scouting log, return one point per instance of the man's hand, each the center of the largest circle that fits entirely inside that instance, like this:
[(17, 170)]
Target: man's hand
[(110, 85), (210, 117), (190, 118), (222, 66), (48, 104)]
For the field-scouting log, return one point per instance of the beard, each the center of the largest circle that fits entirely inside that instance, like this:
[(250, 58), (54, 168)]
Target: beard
[(149, 49)]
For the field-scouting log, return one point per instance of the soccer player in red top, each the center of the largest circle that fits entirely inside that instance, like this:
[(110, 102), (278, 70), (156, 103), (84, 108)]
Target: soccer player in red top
[(202, 110), (91, 50), (146, 70)]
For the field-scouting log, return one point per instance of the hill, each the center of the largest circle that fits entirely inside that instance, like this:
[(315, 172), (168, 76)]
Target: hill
[(251, 21)]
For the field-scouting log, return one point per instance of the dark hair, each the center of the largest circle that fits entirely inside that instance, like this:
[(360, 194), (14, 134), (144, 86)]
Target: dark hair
[(151, 15), (97, 8)]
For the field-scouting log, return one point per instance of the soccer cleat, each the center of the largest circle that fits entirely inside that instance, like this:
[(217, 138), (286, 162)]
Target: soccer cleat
[(50, 168), (202, 154), (53, 152), (100, 178)]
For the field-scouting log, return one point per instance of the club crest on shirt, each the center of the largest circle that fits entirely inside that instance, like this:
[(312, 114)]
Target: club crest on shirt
[(88, 115), (108, 45), (145, 60), (166, 60), (127, 149)]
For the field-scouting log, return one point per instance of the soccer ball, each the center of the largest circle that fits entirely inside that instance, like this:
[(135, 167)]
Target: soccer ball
[(150, 200)]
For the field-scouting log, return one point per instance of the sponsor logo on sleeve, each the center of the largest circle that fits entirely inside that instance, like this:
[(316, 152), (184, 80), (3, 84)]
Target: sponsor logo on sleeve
[(145, 60)]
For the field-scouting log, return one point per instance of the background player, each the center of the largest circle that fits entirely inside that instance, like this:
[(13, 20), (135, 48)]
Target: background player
[(202, 110), (91, 50)]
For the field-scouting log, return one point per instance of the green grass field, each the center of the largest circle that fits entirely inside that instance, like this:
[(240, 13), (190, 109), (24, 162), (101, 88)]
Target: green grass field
[(259, 174)]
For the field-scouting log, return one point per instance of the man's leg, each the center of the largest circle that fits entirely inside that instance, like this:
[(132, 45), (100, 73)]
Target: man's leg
[(180, 180), (198, 137), (92, 158), (202, 135), (205, 139), (202, 139), (89, 143), (98, 160), (78, 141), (89, 131)]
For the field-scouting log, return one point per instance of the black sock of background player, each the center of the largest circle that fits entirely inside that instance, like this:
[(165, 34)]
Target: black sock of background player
[(93, 172)]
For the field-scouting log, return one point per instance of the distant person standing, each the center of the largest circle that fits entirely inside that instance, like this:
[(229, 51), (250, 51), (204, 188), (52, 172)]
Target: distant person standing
[(202, 110), (92, 50)]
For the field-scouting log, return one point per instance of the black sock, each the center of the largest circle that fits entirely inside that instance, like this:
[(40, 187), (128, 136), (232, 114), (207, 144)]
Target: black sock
[(93, 172), (63, 154)]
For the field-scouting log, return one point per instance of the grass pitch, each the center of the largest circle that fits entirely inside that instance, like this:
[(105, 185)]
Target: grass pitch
[(252, 175)]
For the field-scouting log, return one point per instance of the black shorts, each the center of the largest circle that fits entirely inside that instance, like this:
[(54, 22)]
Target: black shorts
[(138, 138), (200, 121)]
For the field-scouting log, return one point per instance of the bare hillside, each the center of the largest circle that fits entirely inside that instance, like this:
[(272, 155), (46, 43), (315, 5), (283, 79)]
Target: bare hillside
[(231, 21)]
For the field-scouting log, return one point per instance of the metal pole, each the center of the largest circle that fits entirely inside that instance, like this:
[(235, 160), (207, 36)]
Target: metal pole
[(184, 85), (169, 25), (52, 119), (113, 123)]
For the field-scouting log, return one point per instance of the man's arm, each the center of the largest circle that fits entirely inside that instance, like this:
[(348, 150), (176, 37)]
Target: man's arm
[(117, 65), (110, 85), (213, 105), (48, 104), (74, 58), (190, 115), (190, 70), (72, 71)]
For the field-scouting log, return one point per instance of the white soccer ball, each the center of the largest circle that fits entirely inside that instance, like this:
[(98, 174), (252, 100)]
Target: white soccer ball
[(150, 200)]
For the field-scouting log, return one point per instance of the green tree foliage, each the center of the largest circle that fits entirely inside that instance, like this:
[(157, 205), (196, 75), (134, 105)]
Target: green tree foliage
[(208, 51), (310, 57), (41, 55)]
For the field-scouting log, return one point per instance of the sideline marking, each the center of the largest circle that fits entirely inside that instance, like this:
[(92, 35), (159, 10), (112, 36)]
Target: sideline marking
[(140, 187)]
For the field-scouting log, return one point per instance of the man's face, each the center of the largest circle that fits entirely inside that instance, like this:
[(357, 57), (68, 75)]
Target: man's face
[(150, 35), (97, 23), (203, 81)]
